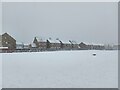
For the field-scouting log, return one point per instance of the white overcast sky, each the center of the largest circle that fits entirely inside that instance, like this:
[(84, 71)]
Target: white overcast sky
[(91, 22)]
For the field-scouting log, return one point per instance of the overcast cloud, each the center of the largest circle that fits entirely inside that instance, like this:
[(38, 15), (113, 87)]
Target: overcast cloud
[(82, 22)]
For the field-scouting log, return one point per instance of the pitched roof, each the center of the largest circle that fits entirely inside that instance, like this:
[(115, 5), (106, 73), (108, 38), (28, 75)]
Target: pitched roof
[(53, 41), (40, 39), (8, 35)]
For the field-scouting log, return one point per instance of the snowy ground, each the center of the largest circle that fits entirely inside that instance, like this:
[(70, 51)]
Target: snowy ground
[(61, 69), (0, 71)]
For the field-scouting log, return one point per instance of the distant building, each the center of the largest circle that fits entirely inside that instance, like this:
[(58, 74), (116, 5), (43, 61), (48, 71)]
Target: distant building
[(67, 46), (32, 45), (116, 47), (98, 47), (83, 46), (47, 44), (19, 45), (7, 41), (108, 47), (54, 44), (57, 44), (0, 40), (40, 44), (75, 46)]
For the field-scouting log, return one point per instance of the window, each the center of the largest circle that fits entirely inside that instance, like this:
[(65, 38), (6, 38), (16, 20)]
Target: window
[(6, 42)]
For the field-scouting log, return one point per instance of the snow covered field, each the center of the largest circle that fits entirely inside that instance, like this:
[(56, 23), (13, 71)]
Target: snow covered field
[(61, 69), (0, 71)]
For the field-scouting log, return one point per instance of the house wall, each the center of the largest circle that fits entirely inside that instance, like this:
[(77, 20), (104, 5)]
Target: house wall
[(8, 41), (42, 45)]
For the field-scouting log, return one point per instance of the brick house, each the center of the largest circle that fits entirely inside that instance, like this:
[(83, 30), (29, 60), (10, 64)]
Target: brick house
[(7, 41), (40, 44)]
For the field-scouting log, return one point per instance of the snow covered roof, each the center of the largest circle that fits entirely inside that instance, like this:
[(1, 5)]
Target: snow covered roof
[(93, 43), (97, 44), (3, 47), (49, 39), (53, 41), (33, 44), (66, 42), (26, 44), (19, 43), (40, 39)]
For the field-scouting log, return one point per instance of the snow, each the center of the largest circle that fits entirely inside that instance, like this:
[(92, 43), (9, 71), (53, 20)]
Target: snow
[(3, 47), (0, 71), (61, 69), (53, 41), (33, 45)]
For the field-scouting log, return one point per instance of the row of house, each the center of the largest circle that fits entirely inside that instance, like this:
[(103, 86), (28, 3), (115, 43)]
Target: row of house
[(50, 44), (8, 43), (91, 46)]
